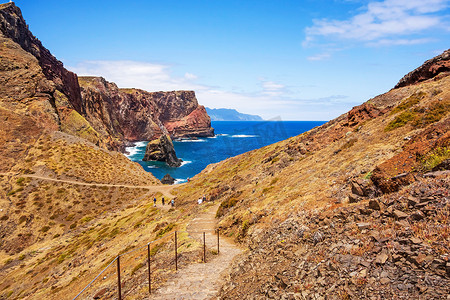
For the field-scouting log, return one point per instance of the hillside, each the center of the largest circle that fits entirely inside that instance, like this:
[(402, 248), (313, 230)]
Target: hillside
[(68, 201), (97, 111), (355, 208), (224, 114)]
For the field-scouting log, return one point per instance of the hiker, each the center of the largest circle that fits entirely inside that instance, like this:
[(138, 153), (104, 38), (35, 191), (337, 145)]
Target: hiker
[(172, 202), (162, 200), (204, 198), (154, 202), (199, 201), (188, 179)]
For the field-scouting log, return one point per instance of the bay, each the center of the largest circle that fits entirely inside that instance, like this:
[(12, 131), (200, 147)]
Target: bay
[(232, 138)]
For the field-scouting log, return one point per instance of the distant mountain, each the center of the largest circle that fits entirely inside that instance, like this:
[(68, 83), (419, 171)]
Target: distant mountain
[(225, 114)]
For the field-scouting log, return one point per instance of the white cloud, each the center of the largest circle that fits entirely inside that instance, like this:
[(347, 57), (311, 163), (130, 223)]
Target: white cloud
[(399, 42), (190, 76), (272, 88), (135, 74), (272, 100), (317, 57), (380, 22)]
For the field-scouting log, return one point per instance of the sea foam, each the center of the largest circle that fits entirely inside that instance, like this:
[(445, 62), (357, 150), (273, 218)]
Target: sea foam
[(244, 135), (185, 162), (192, 141)]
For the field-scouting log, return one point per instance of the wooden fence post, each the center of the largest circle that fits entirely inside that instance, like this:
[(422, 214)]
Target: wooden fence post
[(149, 270), (176, 256), (218, 249), (204, 248), (118, 277)]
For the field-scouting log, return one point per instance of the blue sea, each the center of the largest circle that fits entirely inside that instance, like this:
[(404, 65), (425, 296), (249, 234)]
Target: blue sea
[(232, 138)]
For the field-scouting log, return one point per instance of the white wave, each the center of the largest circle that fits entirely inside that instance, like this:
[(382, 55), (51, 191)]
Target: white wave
[(179, 180), (131, 151), (185, 162), (244, 135), (141, 144), (222, 134), (189, 141), (212, 137)]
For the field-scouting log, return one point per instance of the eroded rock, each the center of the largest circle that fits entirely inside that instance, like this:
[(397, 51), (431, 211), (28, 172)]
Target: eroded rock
[(162, 150)]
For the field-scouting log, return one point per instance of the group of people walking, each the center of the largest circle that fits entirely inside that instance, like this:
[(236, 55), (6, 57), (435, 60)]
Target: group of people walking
[(172, 202)]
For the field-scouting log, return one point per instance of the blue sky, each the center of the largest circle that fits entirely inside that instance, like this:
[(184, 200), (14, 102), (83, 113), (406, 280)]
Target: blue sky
[(294, 60)]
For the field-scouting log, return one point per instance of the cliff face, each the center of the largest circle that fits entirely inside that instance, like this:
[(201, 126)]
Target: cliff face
[(98, 111), (13, 26), (430, 69), (133, 114)]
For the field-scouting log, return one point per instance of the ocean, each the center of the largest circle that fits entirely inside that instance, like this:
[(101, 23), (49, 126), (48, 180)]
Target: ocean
[(232, 138)]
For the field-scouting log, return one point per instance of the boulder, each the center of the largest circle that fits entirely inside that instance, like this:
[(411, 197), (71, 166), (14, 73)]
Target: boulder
[(162, 150), (374, 204), (352, 198), (167, 179)]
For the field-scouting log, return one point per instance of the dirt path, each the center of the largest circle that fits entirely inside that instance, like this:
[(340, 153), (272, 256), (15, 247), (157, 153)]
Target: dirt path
[(164, 189), (201, 280)]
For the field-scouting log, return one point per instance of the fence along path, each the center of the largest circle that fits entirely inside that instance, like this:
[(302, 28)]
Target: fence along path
[(201, 280)]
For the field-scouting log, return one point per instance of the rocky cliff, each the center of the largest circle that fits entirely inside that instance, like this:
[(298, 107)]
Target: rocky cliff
[(99, 111), (13, 26), (134, 114), (430, 69)]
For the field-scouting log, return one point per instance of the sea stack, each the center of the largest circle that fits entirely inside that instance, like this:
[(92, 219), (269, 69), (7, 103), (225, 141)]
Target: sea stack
[(162, 150)]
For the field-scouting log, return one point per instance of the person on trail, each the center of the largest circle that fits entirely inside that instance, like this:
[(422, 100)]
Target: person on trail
[(172, 202), (162, 200), (204, 198), (154, 202)]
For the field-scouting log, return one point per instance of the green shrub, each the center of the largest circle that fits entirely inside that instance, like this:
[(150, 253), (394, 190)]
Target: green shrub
[(400, 120), (409, 102), (155, 249), (137, 267), (165, 230), (434, 158)]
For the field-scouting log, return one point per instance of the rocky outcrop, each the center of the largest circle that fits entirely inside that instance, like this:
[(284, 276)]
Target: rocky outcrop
[(167, 179), (196, 124), (134, 114), (429, 69), (99, 111), (13, 26), (401, 169), (162, 150)]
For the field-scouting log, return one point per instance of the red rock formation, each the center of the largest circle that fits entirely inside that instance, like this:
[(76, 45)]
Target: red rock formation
[(362, 113), (112, 116), (133, 114), (429, 69), (197, 123), (13, 26)]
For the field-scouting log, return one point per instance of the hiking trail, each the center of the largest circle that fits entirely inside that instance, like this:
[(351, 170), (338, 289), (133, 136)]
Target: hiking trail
[(164, 189), (200, 280)]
